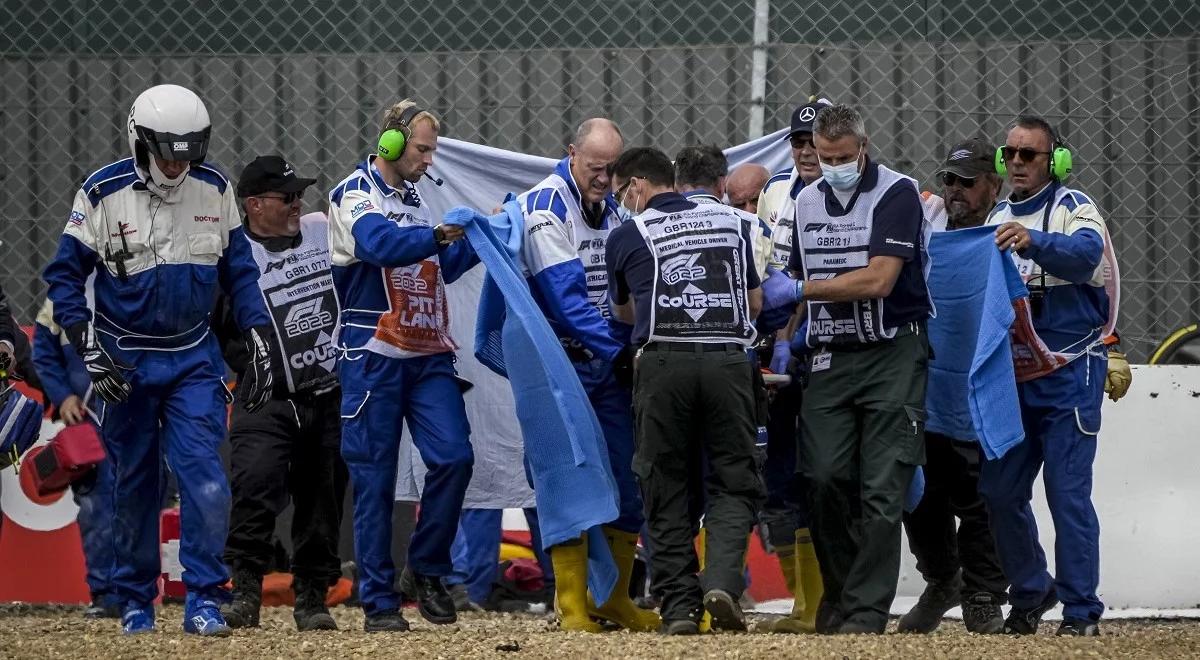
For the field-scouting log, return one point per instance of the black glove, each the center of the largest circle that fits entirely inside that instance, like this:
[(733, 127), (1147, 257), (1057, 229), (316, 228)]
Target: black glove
[(257, 381), (6, 358), (622, 367), (107, 380)]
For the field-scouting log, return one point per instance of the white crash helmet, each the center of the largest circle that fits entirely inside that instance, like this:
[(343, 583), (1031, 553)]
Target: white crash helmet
[(170, 122)]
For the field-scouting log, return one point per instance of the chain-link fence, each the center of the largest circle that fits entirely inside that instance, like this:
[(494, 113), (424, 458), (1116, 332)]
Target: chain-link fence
[(1120, 79)]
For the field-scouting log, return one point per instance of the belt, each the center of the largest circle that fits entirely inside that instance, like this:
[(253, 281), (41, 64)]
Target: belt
[(131, 341), (910, 328), (694, 347)]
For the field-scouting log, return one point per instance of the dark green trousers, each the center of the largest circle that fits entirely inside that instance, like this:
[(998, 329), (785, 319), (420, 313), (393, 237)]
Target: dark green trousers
[(696, 428), (864, 435)]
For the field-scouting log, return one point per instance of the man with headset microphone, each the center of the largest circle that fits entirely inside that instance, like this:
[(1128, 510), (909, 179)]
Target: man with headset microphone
[(1063, 251), (161, 230), (391, 263)]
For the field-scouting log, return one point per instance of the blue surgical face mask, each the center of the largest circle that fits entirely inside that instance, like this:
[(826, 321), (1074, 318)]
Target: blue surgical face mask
[(844, 176)]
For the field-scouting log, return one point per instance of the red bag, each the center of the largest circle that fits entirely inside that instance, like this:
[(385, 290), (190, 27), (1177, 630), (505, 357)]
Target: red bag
[(67, 458)]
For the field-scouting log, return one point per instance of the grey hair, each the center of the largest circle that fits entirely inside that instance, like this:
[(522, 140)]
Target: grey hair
[(838, 121), (585, 129)]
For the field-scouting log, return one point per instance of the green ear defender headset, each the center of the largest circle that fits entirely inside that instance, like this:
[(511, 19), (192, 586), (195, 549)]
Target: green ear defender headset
[(393, 140), (1060, 159)]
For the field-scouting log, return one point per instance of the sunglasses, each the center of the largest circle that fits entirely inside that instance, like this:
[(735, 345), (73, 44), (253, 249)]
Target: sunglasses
[(286, 198), (801, 140), (952, 179), (1027, 154)]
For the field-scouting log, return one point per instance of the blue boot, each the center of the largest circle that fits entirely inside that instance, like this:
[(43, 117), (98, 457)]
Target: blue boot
[(137, 620), (202, 616)]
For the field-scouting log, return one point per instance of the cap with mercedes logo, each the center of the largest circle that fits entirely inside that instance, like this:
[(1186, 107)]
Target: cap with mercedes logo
[(971, 158), (804, 116), (270, 174)]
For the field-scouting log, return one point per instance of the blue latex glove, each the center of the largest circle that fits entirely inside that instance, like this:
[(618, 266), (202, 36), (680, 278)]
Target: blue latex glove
[(781, 355), (800, 345), (778, 289)]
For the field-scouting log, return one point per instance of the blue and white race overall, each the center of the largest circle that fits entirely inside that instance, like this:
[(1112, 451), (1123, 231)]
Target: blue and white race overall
[(63, 375), (563, 252), (1071, 273), (397, 366), (158, 258)]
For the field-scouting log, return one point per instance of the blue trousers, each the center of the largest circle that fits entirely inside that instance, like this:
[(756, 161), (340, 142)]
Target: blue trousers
[(379, 394), (476, 551), (94, 496), (176, 407), (1061, 416), (614, 409)]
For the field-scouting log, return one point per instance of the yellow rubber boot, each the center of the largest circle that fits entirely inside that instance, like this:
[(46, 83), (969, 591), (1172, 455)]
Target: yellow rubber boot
[(809, 589), (620, 609), (787, 564), (570, 587)]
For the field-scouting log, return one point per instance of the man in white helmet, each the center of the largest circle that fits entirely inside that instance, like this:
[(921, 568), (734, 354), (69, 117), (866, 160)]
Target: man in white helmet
[(161, 230)]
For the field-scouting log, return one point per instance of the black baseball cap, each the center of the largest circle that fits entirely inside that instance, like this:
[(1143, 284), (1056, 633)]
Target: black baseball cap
[(270, 174), (803, 116), (971, 158)]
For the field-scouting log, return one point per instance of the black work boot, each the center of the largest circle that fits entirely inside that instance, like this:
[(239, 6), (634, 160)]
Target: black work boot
[(104, 606), (981, 614), (310, 612), (243, 611), (829, 617), (1078, 628), (385, 622), (936, 600), (462, 599), (1025, 621), (725, 610), (433, 601)]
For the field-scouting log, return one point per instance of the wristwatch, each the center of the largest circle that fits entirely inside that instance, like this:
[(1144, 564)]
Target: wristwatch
[(439, 235)]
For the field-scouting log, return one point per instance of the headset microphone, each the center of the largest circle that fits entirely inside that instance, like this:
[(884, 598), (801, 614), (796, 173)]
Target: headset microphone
[(435, 180)]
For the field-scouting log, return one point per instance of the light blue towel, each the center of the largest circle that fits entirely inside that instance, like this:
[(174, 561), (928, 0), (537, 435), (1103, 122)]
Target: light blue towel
[(972, 390), (565, 452)]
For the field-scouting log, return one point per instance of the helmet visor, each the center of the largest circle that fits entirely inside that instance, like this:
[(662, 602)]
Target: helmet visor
[(192, 147)]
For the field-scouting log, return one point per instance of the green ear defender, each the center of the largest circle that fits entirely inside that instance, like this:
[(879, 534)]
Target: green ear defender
[(391, 144), (1060, 160), (393, 140)]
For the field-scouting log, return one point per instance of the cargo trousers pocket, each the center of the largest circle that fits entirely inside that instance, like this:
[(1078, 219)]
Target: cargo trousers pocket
[(911, 448), (356, 428), (1083, 449)]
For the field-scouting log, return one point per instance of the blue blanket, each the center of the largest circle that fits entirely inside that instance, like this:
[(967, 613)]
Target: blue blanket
[(565, 453), (972, 391)]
